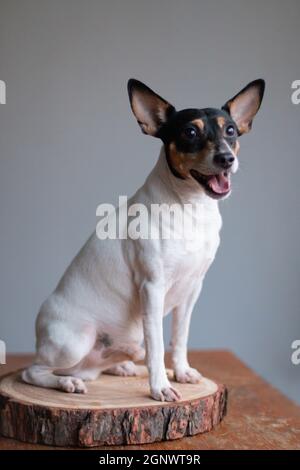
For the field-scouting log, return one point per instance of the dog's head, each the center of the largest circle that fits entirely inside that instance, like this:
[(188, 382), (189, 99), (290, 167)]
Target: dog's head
[(200, 143)]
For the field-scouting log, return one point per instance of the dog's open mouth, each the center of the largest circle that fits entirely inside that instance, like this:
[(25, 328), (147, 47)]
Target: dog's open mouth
[(217, 185)]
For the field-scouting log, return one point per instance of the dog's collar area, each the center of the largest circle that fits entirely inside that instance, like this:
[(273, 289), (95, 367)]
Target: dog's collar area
[(217, 186)]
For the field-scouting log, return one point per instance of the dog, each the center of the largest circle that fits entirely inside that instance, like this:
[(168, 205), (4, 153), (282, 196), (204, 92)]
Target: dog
[(111, 300)]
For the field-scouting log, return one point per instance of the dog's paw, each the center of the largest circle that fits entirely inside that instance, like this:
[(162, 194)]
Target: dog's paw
[(126, 369), (166, 394), (187, 376), (71, 385)]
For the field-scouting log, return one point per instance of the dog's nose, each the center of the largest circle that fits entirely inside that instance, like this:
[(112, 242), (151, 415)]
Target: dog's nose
[(224, 160)]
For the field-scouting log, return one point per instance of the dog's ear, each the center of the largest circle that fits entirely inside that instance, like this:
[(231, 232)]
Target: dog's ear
[(243, 106), (150, 109)]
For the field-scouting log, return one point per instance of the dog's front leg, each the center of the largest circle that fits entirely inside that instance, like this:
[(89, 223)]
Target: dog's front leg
[(180, 330), (152, 299)]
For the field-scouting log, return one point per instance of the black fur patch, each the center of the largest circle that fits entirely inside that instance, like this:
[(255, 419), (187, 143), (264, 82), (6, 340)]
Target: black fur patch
[(103, 340)]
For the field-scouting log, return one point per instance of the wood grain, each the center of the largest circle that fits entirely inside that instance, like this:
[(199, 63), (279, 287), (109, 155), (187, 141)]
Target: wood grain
[(115, 411), (258, 416)]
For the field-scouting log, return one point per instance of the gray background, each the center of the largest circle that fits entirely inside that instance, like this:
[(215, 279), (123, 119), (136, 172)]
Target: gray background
[(68, 141)]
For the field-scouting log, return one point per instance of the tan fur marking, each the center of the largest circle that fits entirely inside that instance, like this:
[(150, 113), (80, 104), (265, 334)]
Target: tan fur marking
[(237, 147), (184, 162), (244, 128), (199, 123), (178, 160), (221, 121)]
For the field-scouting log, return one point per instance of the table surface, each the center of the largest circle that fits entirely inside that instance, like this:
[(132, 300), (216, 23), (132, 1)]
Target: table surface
[(258, 416)]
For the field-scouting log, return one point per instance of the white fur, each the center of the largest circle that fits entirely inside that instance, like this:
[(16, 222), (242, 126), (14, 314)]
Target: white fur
[(115, 293)]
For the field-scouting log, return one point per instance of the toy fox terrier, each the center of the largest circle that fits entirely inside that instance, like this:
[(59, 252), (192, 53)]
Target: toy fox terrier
[(112, 298)]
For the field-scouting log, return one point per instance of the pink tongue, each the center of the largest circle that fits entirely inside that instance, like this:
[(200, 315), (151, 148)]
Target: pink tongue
[(219, 184)]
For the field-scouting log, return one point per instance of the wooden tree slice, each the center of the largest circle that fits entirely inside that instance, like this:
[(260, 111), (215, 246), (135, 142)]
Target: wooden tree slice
[(115, 411)]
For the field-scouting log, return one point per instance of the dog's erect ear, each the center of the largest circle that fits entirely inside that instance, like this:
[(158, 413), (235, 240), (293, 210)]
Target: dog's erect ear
[(243, 106), (150, 109)]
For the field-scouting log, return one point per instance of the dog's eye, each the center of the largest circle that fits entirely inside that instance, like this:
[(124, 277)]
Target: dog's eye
[(230, 130), (190, 133)]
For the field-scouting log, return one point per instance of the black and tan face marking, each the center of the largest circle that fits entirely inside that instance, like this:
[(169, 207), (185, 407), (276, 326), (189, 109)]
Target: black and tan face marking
[(200, 143), (194, 138)]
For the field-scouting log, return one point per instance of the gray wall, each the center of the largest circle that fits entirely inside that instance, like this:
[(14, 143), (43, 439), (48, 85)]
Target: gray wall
[(68, 142)]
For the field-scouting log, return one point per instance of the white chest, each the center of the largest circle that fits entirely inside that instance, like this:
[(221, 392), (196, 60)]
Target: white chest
[(187, 260)]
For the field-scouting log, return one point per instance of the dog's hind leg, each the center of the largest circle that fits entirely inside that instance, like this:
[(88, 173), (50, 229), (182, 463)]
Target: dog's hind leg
[(43, 376), (60, 350), (116, 360)]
